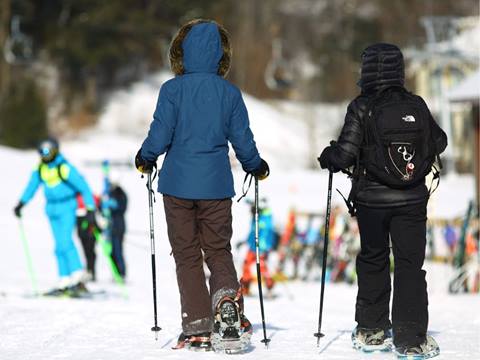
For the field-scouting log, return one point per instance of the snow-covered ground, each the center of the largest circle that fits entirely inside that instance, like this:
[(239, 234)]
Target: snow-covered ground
[(118, 328)]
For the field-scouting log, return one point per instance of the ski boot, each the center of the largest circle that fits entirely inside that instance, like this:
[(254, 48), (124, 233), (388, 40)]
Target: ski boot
[(426, 350), (371, 340), (60, 290), (198, 342), (231, 330), (78, 290)]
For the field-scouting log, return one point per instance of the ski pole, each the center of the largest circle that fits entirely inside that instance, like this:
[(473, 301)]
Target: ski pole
[(319, 334), (155, 328), (259, 274), (107, 251), (28, 257)]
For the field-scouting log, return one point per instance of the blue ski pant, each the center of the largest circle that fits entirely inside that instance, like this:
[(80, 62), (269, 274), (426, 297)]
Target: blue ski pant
[(68, 259)]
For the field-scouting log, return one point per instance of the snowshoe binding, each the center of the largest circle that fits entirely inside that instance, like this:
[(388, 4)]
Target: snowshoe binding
[(372, 340), (231, 330), (199, 342), (426, 350)]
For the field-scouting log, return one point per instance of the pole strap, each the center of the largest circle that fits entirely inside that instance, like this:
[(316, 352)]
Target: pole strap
[(245, 191)]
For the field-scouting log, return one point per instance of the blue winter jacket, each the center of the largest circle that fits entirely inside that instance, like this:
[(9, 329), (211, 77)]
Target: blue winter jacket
[(197, 114), (60, 189)]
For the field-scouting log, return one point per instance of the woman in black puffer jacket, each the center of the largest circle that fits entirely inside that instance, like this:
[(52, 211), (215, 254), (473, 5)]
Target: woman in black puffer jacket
[(385, 214)]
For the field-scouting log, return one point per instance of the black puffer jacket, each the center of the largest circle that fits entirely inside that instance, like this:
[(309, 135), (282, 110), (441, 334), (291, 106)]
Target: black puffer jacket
[(382, 67)]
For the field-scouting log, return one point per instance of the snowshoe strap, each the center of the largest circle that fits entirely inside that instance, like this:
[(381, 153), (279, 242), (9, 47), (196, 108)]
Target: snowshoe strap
[(228, 298), (235, 300), (238, 295), (197, 338)]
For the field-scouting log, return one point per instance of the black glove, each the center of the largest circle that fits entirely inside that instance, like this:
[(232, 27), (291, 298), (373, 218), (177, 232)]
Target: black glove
[(325, 158), (91, 220), (18, 209), (262, 171), (142, 165)]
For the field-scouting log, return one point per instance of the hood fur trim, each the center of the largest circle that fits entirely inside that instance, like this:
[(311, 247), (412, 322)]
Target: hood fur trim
[(176, 50)]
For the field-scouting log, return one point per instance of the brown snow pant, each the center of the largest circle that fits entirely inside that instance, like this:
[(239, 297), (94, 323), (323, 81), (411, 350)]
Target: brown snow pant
[(195, 226)]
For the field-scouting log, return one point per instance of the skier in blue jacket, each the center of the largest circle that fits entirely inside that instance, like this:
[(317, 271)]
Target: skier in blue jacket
[(266, 242), (61, 182), (198, 113)]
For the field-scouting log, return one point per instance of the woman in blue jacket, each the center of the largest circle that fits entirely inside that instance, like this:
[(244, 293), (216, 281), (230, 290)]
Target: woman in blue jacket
[(61, 183), (198, 113)]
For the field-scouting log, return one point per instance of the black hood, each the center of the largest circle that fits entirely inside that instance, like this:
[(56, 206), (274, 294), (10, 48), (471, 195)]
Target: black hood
[(382, 66)]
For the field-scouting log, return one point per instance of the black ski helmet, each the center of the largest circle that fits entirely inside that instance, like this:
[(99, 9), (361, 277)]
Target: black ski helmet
[(48, 149)]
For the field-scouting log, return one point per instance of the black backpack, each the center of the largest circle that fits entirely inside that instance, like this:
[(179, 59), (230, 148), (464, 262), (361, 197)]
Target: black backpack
[(398, 147)]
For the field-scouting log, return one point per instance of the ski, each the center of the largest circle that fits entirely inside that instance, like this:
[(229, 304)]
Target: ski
[(66, 293)]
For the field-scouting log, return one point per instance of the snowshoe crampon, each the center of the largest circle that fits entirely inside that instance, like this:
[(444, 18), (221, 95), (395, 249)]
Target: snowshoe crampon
[(232, 330), (372, 340), (426, 350)]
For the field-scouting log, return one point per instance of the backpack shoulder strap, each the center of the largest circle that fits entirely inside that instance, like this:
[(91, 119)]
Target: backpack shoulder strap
[(39, 170), (63, 170)]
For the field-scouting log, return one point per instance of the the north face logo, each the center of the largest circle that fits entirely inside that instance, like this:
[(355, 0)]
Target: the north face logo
[(408, 118)]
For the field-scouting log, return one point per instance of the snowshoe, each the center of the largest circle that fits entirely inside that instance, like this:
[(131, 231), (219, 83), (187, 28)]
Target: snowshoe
[(372, 340), (199, 342), (232, 330), (426, 350)]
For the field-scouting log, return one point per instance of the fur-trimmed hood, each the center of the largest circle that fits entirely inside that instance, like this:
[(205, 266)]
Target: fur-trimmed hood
[(201, 46), (382, 65)]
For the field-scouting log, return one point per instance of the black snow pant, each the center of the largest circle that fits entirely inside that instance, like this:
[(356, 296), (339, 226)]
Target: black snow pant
[(87, 239), (196, 226), (405, 226), (117, 235)]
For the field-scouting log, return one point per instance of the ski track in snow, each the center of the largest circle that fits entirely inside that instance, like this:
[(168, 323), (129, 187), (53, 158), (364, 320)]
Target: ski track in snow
[(112, 327)]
